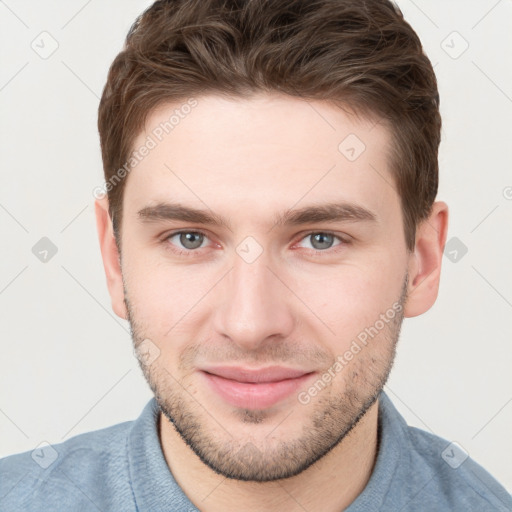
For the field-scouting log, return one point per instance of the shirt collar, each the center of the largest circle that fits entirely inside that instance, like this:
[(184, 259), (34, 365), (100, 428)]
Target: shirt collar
[(391, 433), (154, 487)]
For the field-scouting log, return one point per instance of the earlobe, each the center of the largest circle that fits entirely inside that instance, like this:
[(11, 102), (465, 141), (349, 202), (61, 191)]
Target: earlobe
[(110, 256), (425, 262)]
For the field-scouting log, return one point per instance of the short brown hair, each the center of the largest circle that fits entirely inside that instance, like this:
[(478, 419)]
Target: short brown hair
[(360, 53)]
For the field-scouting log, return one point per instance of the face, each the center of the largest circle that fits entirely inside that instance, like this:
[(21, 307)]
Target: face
[(264, 268)]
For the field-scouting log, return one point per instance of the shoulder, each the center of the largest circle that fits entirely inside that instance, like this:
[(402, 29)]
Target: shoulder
[(418, 470), (87, 469), (451, 479)]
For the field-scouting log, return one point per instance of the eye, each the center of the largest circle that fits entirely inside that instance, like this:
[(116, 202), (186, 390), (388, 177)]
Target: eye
[(321, 241), (188, 240)]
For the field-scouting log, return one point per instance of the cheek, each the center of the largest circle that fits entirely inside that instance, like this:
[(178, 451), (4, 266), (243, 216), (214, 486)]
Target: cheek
[(161, 295), (164, 305), (353, 297)]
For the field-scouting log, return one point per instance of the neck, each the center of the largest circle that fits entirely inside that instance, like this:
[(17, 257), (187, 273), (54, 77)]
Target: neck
[(331, 484)]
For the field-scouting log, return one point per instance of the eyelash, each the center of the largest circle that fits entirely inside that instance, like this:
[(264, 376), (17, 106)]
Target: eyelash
[(192, 252)]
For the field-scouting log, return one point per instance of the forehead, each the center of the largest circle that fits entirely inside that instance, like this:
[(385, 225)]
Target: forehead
[(258, 155)]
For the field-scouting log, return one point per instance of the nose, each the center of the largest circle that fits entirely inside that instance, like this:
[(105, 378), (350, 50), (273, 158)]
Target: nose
[(255, 306)]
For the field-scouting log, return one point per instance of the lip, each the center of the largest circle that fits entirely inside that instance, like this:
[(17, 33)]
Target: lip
[(254, 388)]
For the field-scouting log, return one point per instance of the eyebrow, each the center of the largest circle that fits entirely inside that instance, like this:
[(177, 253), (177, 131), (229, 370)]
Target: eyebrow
[(327, 212)]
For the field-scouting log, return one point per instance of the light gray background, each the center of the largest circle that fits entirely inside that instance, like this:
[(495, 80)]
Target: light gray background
[(67, 365)]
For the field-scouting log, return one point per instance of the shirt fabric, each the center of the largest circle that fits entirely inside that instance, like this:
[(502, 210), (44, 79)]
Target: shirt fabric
[(122, 468)]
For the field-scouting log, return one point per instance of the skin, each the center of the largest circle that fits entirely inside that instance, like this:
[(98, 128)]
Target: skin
[(299, 304)]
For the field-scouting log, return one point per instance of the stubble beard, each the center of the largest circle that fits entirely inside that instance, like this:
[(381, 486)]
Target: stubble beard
[(332, 415)]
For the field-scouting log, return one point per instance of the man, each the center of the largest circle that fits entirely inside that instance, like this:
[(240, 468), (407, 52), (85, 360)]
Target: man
[(271, 170)]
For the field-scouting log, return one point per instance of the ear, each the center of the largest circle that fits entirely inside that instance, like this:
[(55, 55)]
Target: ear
[(425, 262), (111, 257)]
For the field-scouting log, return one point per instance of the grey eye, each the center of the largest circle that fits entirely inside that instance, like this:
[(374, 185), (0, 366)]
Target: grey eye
[(321, 241), (189, 239)]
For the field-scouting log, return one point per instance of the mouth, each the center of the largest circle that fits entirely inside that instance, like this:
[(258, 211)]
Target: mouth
[(254, 388)]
